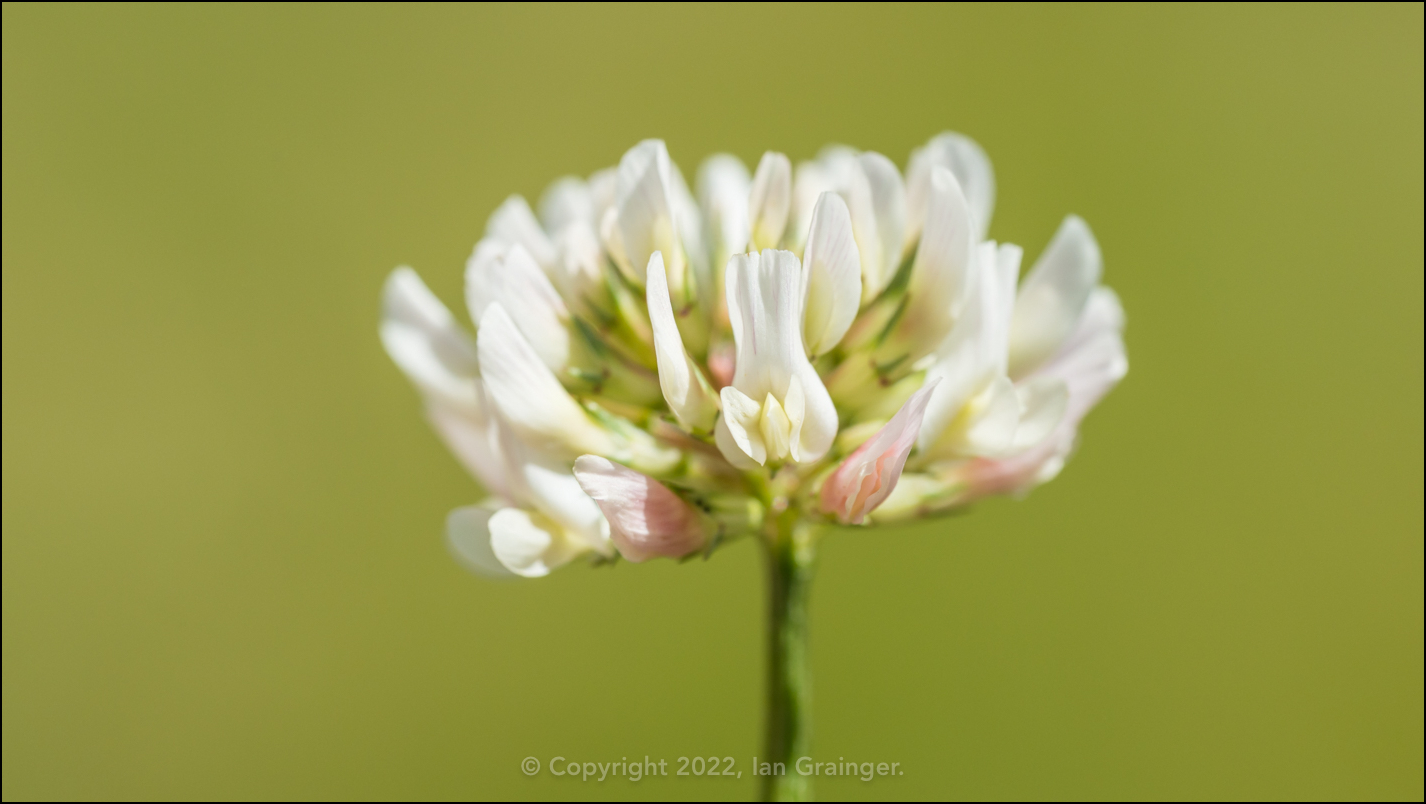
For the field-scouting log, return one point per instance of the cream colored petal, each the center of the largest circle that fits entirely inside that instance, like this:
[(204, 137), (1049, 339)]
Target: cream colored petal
[(645, 204), (741, 422), (513, 222), (794, 407), (991, 427), (468, 539), (527, 543), (888, 198), (646, 519), (964, 158), (508, 275), (973, 353), (556, 493), (843, 168), (1054, 295), (528, 395), (684, 388), (940, 275), (831, 275), (732, 446), (770, 200)]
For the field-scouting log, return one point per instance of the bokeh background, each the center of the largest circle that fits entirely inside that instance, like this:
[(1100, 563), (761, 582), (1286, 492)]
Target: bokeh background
[(223, 568)]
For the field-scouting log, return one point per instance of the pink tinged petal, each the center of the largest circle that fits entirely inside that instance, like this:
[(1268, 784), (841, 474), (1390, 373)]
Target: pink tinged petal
[(514, 223), (468, 539), (1054, 296), (867, 477), (1091, 365), (831, 276), (646, 520), (721, 360)]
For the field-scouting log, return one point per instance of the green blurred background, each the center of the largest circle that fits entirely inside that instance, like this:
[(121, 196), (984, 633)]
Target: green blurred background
[(223, 567)]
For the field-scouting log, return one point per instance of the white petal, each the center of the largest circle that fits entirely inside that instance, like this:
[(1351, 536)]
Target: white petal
[(1093, 360), (684, 388), (644, 199), (765, 309), (645, 518), (513, 222), (468, 539), (963, 157), (475, 443), (809, 181), (888, 198), (770, 200), (426, 343), (1042, 406), (844, 169), (1103, 313), (734, 447), (528, 544), (509, 276), (740, 424), (1054, 295), (558, 495), (973, 352), (603, 185), (832, 281), (579, 265), (527, 394), (940, 276), (567, 200), (723, 189), (688, 220), (990, 429)]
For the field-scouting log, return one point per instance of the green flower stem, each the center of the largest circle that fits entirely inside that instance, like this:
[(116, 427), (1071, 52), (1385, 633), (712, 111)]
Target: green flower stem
[(788, 734)]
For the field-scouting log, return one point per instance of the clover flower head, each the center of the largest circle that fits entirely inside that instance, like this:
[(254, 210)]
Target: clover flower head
[(657, 370)]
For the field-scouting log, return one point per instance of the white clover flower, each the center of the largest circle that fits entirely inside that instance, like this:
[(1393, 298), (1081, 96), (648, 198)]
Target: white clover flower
[(654, 373)]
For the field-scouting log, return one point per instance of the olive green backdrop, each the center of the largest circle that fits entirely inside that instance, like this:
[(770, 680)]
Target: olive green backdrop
[(223, 566)]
